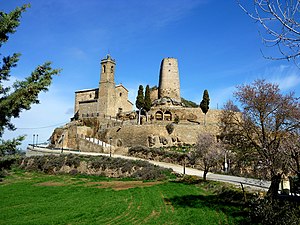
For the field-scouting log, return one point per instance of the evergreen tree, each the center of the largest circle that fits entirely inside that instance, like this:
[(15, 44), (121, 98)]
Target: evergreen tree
[(139, 103), (22, 94), (204, 105), (147, 100)]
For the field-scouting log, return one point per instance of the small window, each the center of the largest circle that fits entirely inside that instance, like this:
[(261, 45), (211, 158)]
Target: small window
[(90, 95), (104, 68), (169, 64), (120, 94)]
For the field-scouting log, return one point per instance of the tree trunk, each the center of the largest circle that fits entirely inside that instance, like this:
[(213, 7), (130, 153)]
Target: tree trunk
[(139, 121), (274, 187), (204, 174)]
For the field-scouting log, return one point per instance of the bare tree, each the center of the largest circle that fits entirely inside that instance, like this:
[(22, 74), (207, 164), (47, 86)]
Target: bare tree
[(291, 148), (280, 25), (266, 119), (209, 151)]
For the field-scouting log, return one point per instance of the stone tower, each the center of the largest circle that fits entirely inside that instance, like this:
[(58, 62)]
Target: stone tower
[(169, 85), (106, 101)]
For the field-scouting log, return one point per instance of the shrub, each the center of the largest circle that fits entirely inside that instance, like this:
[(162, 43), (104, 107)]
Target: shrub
[(170, 128), (6, 162), (275, 211), (130, 168), (161, 154), (188, 179), (176, 119)]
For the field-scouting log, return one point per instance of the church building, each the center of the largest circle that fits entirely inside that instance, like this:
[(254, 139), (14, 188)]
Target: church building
[(108, 99)]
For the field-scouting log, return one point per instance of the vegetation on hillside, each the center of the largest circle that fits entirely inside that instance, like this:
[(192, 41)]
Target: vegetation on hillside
[(107, 166), (189, 104)]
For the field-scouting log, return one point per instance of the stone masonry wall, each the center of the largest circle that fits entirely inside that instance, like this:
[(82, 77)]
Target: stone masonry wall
[(151, 135), (169, 85), (85, 95), (122, 99)]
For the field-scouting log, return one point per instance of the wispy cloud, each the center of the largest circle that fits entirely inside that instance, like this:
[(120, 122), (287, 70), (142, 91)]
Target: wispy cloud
[(220, 96), (77, 53), (286, 77)]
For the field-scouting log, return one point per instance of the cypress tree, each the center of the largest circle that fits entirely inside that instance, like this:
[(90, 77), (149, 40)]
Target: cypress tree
[(204, 105), (139, 103), (147, 100)]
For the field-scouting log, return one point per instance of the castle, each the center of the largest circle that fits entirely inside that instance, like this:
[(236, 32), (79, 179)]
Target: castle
[(106, 115)]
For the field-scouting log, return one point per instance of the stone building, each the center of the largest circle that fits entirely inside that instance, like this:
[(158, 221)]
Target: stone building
[(169, 85), (123, 131), (106, 100)]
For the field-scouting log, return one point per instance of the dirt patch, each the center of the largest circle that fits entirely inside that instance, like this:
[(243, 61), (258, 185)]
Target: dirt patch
[(122, 185), (51, 184)]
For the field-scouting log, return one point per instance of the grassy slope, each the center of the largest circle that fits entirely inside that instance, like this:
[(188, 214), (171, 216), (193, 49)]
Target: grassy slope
[(25, 201)]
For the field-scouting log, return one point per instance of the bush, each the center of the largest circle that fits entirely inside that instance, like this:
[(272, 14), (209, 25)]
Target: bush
[(170, 128), (188, 179), (275, 211), (154, 153), (129, 168)]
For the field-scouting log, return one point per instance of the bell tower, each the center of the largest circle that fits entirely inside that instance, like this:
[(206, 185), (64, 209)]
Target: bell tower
[(106, 101)]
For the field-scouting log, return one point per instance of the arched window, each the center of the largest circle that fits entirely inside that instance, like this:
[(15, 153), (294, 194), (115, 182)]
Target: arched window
[(168, 116), (158, 115)]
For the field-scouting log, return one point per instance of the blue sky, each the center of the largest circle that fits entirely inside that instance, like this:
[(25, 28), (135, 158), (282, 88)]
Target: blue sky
[(216, 44)]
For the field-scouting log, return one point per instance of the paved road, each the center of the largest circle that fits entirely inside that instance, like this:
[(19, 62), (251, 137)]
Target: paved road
[(247, 182)]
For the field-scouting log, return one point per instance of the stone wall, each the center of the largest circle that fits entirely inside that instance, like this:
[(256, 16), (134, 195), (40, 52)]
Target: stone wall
[(122, 103), (85, 96), (88, 146), (185, 115), (88, 109), (169, 85), (154, 94), (152, 133), (156, 135)]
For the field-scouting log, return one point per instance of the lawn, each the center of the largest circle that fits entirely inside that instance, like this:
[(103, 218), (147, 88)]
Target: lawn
[(37, 198)]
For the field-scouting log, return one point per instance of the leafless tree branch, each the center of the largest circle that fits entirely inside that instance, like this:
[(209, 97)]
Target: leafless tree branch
[(280, 23)]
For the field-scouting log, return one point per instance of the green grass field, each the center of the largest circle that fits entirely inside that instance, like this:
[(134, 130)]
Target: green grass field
[(36, 198)]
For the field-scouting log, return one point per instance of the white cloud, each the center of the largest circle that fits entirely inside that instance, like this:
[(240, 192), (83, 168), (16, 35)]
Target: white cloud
[(78, 53), (287, 77), (288, 82), (220, 96)]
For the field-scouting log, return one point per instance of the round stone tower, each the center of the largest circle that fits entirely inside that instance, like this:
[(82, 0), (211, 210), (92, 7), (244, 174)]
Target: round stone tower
[(169, 85)]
